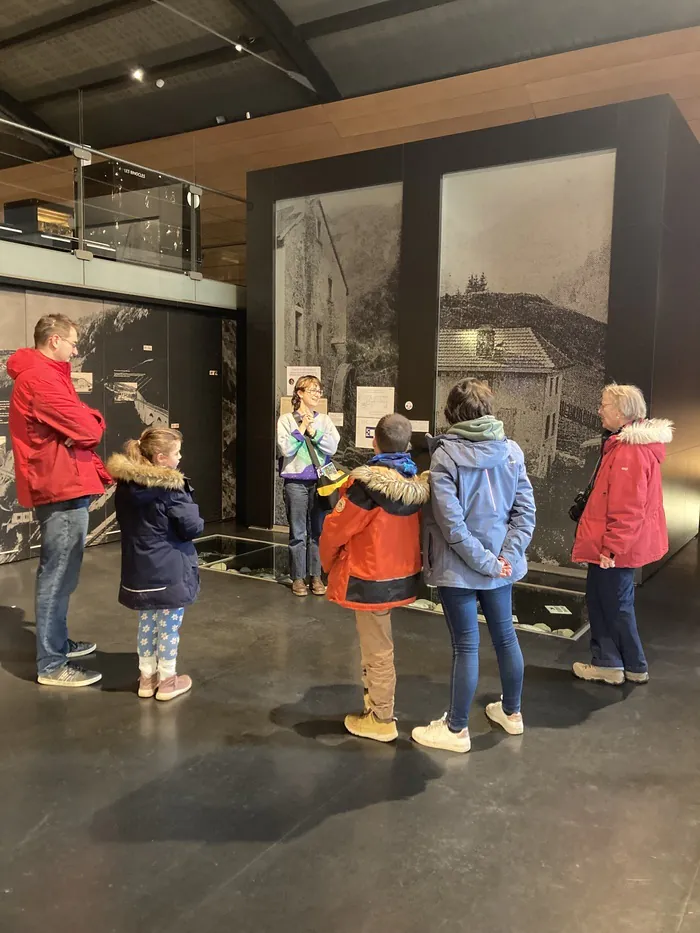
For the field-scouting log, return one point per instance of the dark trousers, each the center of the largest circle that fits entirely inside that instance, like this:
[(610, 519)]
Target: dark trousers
[(305, 517), (615, 640), (461, 615)]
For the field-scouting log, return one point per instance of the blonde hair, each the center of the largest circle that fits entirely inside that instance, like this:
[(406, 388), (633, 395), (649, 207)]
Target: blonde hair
[(153, 441), (628, 399), (51, 324)]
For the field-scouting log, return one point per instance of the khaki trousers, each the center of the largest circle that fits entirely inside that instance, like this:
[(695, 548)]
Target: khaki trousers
[(377, 653)]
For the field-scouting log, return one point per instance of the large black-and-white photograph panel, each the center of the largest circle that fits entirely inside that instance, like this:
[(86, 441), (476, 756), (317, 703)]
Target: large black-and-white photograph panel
[(524, 282), (336, 280)]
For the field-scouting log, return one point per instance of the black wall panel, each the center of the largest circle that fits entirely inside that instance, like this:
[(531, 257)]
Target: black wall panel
[(195, 361)]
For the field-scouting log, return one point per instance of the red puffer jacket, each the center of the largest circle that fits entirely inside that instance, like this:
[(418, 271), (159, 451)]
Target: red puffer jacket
[(45, 412), (624, 516), (370, 544)]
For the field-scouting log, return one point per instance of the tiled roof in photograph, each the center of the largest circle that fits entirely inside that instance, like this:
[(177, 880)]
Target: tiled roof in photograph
[(515, 349)]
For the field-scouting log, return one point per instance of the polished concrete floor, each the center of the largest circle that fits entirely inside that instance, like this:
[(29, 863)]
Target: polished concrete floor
[(245, 807)]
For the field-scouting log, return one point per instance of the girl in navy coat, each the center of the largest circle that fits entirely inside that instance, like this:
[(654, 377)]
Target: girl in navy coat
[(158, 519)]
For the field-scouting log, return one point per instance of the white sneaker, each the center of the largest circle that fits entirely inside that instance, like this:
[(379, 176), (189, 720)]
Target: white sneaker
[(605, 675), (438, 735), (495, 713)]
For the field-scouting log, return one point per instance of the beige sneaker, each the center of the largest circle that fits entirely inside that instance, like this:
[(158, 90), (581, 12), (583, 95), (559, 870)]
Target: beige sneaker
[(299, 588), (367, 726), (637, 678), (513, 725), (605, 675), (438, 735), (172, 687), (148, 684)]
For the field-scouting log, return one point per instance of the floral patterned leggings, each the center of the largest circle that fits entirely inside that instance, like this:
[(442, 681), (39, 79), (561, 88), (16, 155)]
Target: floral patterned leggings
[(158, 640)]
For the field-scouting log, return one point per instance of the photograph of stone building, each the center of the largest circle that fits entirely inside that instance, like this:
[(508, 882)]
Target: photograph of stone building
[(524, 280), (336, 283)]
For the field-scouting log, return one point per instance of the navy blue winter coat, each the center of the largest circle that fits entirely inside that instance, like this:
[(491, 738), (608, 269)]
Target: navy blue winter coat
[(158, 519)]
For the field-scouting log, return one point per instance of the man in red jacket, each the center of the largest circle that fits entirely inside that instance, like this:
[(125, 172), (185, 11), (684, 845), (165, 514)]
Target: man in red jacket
[(56, 472), (623, 527)]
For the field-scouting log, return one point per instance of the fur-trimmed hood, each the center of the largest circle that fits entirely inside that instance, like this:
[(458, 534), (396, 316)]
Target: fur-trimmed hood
[(647, 431), (410, 491), (124, 469)]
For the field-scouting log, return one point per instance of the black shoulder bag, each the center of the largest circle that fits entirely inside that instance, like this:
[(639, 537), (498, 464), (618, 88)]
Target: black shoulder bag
[(580, 500)]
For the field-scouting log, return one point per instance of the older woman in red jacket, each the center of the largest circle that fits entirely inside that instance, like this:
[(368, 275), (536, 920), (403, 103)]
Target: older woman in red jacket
[(623, 527)]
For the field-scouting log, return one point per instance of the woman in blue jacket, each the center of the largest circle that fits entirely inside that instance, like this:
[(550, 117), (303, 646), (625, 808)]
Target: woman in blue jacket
[(476, 529), (158, 519)]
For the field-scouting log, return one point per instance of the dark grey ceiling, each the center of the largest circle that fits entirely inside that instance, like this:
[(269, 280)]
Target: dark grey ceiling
[(52, 52)]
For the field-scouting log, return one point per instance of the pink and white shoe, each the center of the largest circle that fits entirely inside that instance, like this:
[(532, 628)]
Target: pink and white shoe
[(148, 684), (174, 686)]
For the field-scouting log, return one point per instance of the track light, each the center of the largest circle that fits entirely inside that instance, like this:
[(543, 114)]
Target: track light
[(138, 74), (160, 83), (247, 114), (239, 48)]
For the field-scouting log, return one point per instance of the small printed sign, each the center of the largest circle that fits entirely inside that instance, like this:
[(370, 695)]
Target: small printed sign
[(558, 610), (175, 424), (148, 348), (420, 427), (338, 418), (213, 372)]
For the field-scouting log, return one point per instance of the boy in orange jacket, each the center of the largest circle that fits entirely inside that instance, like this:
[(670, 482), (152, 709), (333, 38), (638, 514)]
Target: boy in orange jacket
[(370, 548)]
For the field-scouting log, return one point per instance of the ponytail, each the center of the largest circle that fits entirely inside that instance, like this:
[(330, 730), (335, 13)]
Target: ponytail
[(153, 441)]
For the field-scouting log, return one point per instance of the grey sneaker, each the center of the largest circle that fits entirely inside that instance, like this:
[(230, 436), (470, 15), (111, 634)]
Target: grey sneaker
[(70, 675), (80, 649), (637, 678)]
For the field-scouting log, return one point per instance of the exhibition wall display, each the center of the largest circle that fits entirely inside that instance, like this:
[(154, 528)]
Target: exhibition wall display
[(336, 283), (141, 366), (537, 255), (524, 278)]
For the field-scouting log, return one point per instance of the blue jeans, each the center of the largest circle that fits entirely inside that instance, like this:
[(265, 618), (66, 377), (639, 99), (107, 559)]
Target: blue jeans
[(305, 517), (461, 615), (63, 527), (615, 640)]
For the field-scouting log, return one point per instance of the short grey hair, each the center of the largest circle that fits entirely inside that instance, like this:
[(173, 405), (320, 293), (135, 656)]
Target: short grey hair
[(629, 400)]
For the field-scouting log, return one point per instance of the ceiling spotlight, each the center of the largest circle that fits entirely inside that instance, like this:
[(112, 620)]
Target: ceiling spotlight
[(160, 83), (138, 74), (239, 48), (220, 119), (247, 114)]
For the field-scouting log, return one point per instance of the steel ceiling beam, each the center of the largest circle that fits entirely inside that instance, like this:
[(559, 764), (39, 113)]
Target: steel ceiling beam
[(121, 78), (43, 27), (365, 16), (15, 110), (284, 37)]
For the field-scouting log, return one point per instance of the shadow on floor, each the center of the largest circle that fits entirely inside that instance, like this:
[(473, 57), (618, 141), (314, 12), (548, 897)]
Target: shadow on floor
[(235, 792), (18, 655), (17, 644)]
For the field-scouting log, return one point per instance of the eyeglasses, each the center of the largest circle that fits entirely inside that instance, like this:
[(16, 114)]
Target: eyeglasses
[(312, 390), (61, 337)]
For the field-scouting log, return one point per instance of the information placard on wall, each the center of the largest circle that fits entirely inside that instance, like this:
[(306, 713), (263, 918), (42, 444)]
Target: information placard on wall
[(373, 402), (294, 374)]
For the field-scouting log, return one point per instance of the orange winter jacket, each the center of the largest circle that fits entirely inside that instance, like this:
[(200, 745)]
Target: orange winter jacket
[(370, 546)]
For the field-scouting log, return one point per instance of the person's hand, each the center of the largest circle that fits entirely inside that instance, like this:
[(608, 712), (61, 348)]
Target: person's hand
[(506, 569), (306, 420), (606, 563)]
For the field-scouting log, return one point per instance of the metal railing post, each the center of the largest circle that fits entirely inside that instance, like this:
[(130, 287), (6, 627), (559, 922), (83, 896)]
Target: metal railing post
[(83, 158), (194, 195)]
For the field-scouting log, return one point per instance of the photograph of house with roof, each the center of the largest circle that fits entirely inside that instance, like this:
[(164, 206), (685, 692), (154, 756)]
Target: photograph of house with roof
[(524, 280), (336, 283)]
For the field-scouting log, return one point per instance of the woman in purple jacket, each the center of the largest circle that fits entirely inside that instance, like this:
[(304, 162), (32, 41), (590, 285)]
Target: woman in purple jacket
[(476, 529)]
